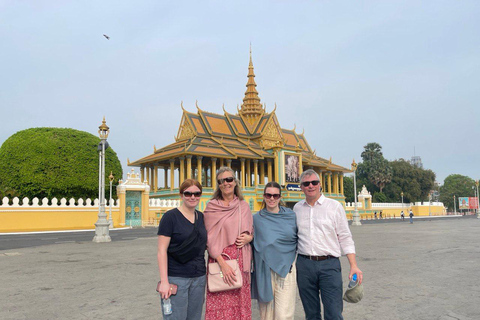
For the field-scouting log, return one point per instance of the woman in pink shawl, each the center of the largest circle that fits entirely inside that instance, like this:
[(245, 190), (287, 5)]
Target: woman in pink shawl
[(222, 216)]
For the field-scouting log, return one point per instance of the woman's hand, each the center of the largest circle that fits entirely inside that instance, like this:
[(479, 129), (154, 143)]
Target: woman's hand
[(228, 273), (165, 290), (243, 239)]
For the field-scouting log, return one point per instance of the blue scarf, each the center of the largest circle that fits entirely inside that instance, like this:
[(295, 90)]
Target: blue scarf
[(275, 245)]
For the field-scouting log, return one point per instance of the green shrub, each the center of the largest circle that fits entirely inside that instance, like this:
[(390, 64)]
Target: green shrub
[(54, 162)]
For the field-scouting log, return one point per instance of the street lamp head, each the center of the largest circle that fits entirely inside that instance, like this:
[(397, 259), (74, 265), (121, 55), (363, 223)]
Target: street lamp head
[(103, 130), (401, 193), (111, 177), (354, 165)]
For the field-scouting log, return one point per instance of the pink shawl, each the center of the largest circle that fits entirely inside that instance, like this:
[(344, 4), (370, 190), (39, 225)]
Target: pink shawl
[(221, 223)]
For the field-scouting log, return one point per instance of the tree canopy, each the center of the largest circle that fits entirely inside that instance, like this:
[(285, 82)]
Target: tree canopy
[(386, 180), (458, 186), (53, 162)]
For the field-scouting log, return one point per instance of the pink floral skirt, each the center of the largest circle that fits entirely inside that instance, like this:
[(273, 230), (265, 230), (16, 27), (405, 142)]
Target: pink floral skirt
[(233, 304)]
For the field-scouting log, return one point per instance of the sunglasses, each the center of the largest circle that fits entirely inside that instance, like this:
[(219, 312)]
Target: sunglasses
[(307, 183), (275, 196), (189, 194), (229, 180)]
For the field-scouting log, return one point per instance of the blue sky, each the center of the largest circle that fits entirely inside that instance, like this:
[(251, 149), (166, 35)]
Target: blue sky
[(404, 74)]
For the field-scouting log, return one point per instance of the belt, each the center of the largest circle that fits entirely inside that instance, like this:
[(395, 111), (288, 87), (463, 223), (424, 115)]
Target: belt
[(316, 258)]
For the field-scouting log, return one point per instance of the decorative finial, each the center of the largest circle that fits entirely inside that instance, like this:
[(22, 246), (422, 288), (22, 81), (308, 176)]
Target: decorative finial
[(181, 104), (128, 161)]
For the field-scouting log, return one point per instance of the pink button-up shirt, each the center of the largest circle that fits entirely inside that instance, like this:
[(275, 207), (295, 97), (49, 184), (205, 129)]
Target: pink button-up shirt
[(323, 228)]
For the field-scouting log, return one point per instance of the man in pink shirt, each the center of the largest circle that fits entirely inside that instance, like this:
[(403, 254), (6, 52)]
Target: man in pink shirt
[(323, 234)]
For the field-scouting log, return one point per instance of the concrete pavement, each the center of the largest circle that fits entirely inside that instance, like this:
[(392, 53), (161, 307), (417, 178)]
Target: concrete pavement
[(426, 270)]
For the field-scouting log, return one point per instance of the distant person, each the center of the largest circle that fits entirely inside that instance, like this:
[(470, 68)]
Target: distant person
[(411, 216), (402, 215), (381, 214), (375, 214), (182, 240), (323, 234)]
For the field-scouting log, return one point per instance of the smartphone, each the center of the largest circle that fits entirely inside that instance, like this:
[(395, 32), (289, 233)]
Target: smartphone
[(173, 288)]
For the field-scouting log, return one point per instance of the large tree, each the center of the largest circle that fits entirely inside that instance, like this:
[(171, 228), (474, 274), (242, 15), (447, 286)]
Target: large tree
[(458, 186), (374, 168), (414, 182), (53, 162)]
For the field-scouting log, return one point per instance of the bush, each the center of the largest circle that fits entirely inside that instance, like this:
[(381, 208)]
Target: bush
[(54, 162)]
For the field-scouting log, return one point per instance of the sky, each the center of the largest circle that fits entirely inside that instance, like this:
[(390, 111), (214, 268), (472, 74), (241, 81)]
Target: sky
[(404, 74)]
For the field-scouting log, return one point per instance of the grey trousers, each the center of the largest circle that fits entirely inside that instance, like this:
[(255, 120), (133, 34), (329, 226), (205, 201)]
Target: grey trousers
[(188, 302), (320, 278)]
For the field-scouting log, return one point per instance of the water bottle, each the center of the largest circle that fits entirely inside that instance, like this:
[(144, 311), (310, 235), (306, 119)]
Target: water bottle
[(167, 307), (353, 282)]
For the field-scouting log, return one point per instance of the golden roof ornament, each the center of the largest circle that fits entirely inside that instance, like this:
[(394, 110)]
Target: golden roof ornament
[(251, 106)]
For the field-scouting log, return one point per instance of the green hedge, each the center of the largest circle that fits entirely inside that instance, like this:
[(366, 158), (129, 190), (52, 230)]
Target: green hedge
[(54, 162)]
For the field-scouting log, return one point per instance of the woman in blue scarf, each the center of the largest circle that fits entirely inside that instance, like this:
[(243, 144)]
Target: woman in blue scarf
[(274, 282)]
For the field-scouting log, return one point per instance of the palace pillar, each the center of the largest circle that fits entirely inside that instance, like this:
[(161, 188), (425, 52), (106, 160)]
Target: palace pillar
[(152, 174), (155, 178), (255, 171), (249, 174), (142, 174), (189, 167), (165, 177), (329, 182), (341, 183), (199, 169), (221, 163), (242, 173), (181, 173), (214, 173), (269, 170), (172, 174), (262, 172), (229, 163)]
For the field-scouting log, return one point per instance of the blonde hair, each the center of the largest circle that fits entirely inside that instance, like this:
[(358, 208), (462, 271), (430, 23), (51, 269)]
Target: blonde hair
[(217, 194)]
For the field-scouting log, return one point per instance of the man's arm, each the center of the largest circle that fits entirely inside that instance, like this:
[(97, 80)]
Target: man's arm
[(354, 268)]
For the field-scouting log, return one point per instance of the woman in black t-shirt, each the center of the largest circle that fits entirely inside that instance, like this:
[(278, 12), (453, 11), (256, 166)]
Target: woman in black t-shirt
[(182, 241)]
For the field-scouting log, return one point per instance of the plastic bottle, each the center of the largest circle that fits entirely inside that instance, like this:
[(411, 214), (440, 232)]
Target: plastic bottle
[(353, 282), (167, 306)]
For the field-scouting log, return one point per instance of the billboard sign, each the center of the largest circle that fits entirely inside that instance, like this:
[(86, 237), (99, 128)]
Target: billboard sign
[(473, 202), (463, 203)]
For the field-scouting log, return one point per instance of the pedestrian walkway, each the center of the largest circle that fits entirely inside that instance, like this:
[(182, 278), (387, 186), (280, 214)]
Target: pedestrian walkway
[(414, 271)]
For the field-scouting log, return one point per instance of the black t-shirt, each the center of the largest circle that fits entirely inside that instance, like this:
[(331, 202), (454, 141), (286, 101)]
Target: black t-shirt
[(174, 225)]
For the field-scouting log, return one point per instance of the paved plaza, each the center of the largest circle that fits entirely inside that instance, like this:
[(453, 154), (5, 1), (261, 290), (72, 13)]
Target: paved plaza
[(426, 270)]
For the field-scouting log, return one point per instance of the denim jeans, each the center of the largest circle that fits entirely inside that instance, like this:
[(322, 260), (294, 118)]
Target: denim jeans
[(324, 277), (188, 302)]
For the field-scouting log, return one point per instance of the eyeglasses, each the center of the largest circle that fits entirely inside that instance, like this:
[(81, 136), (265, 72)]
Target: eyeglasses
[(229, 180), (189, 194), (307, 183), (275, 196)]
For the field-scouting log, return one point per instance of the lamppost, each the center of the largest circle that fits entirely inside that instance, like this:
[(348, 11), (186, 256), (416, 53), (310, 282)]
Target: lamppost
[(429, 204), (101, 226), (454, 205), (401, 193), (478, 205), (356, 216), (110, 220)]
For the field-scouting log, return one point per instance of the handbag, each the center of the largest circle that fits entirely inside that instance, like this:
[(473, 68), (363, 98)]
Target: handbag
[(189, 248), (215, 276)]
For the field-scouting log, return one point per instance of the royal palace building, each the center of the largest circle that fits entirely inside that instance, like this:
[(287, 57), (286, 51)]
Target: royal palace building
[(251, 142)]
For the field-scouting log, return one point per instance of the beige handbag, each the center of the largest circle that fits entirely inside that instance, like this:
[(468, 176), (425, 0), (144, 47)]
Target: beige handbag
[(215, 276)]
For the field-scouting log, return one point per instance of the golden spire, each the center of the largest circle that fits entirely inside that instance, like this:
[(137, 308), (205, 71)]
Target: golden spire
[(251, 107)]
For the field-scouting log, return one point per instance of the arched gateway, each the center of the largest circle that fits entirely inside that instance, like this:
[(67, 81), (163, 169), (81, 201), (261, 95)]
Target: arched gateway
[(251, 142)]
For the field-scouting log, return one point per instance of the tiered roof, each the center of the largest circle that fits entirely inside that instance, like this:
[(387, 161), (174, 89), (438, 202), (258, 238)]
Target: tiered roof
[(252, 133)]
